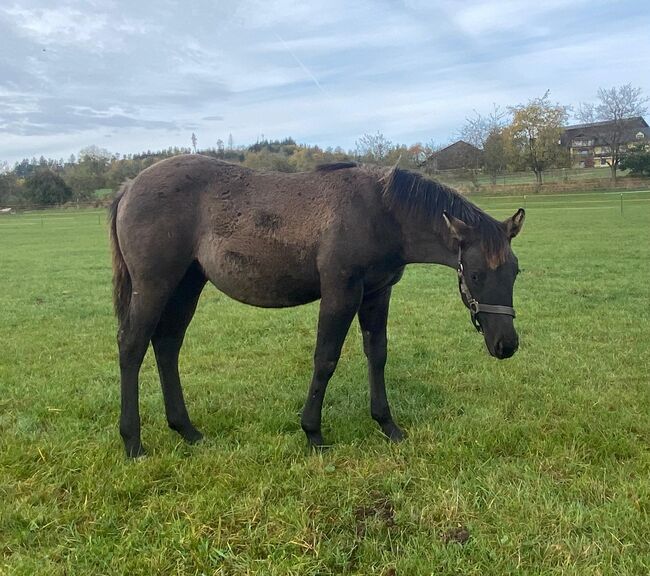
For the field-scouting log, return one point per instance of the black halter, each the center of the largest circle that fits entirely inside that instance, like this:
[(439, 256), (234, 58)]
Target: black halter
[(474, 305)]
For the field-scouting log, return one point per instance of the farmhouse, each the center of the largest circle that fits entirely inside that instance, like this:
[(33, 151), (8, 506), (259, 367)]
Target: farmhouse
[(456, 156), (590, 144)]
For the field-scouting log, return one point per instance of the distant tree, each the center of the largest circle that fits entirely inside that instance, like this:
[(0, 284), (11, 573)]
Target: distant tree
[(534, 135), (585, 113), (267, 160), (285, 146), (44, 187), (118, 172), (495, 153), (89, 173), (415, 155), (373, 148), (234, 155), (94, 152), (305, 158), (477, 128), (25, 168), (220, 148), (231, 142), (10, 189), (616, 105), (398, 155), (432, 146), (194, 142)]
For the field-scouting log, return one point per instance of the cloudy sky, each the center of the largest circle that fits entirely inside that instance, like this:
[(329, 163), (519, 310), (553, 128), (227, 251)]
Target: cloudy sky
[(131, 76)]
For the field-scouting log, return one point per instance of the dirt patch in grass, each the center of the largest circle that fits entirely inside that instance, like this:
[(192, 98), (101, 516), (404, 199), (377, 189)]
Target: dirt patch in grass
[(457, 535), (381, 510)]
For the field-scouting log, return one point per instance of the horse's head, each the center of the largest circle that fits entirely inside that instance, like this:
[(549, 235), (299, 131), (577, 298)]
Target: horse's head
[(486, 282)]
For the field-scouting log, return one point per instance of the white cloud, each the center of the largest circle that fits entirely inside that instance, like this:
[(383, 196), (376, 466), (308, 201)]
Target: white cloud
[(61, 25), (94, 30), (483, 17)]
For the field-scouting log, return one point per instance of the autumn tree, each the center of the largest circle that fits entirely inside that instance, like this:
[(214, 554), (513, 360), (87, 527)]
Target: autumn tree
[(534, 135), (615, 106)]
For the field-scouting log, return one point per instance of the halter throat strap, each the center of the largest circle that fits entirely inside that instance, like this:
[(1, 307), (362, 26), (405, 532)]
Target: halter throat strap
[(473, 304)]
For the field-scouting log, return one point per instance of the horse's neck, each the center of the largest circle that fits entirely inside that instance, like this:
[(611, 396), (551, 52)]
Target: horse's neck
[(421, 244)]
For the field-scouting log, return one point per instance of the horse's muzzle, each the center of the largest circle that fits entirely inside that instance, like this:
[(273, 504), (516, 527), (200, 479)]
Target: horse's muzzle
[(504, 348)]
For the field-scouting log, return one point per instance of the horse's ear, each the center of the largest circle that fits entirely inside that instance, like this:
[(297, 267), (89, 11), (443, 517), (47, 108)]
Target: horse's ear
[(457, 228), (515, 223)]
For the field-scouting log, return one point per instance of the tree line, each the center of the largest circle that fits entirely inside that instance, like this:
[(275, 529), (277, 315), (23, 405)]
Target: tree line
[(522, 137), (96, 172)]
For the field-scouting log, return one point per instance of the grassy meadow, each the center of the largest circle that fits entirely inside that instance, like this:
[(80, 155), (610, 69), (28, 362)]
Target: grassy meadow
[(535, 465)]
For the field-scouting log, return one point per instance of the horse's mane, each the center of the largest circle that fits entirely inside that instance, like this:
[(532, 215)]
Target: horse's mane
[(332, 166), (417, 195)]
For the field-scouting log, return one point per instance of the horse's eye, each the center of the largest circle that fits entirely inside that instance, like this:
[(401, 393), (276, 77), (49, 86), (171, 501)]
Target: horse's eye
[(474, 277)]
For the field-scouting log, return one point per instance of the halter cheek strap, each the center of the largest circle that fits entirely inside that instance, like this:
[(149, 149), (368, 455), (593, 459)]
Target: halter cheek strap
[(473, 304)]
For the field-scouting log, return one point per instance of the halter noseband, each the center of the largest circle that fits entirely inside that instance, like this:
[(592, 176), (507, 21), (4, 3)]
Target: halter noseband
[(473, 304)]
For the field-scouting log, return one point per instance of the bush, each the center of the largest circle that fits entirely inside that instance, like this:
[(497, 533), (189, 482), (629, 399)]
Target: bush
[(47, 188), (637, 162)]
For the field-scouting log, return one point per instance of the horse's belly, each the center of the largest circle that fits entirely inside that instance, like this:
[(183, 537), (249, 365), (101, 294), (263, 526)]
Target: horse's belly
[(258, 278), (281, 292)]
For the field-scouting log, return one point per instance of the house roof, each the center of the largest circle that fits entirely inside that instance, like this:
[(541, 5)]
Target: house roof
[(456, 155), (601, 132), (457, 144)]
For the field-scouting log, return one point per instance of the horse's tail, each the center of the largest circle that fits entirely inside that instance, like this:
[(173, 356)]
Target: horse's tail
[(121, 276)]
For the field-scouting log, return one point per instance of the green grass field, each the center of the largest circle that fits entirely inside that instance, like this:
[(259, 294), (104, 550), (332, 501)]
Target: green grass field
[(535, 465)]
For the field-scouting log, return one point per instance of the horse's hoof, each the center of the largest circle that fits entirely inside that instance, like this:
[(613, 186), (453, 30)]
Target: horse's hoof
[(394, 433), (192, 436), (316, 443), (319, 448), (187, 432), (135, 451)]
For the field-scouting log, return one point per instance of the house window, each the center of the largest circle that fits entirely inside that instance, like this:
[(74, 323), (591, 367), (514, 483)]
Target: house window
[(603, 161)]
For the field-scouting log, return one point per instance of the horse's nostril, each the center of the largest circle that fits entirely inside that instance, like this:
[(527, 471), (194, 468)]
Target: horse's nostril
[(509, 350), (505, 349)]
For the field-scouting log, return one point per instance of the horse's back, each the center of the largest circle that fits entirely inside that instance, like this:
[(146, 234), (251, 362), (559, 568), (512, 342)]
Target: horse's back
[(256, 235), (260, 236)]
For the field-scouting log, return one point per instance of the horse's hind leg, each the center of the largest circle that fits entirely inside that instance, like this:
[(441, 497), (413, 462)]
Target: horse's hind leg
[(167, 340)]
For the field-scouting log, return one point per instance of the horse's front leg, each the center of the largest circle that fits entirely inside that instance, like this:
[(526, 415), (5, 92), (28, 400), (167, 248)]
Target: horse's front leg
[(338, 306), (373, 317)]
